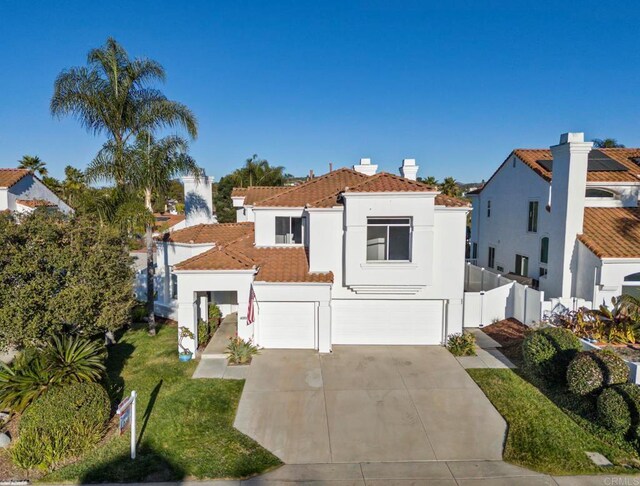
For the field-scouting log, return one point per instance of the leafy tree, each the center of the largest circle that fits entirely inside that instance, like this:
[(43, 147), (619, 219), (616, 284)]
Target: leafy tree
[(112, 96), (60, 274), (34, 164), (153, 164), (449, 187), (606, 143), (74, 186)]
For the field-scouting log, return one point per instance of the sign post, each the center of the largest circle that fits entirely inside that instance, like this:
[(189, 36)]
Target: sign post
[(127, 413)]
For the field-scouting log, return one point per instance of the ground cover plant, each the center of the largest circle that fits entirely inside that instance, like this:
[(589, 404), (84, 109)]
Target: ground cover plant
[(462, 344)]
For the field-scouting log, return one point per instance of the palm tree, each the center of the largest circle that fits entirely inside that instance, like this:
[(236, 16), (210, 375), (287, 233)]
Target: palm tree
[(258, 172), (430, 181), (606, 143), (449, 187), (34, 164), (112, 96), (73, 185), (153, 164)]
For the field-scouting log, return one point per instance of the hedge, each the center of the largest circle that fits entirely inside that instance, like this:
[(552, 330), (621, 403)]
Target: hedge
[(590, 371), (619, 409)]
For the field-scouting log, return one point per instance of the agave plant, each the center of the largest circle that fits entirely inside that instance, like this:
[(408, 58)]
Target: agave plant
[(75, 359), (63, 360)]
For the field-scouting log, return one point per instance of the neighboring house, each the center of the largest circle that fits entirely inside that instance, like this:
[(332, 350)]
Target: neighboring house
[(351, 257), (564, 219), (168, 222), (22, 192)]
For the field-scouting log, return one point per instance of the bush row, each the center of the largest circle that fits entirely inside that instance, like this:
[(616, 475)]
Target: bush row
[(554, 355)]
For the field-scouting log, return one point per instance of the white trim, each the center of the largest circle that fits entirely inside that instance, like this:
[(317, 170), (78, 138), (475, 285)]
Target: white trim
[(311, 284), (461, 209), (617, 260), (216, 272), (413, 194)]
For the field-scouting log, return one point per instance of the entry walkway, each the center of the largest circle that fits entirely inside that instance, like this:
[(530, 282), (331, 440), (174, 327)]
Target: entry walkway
[(488, 353), (213, 361)]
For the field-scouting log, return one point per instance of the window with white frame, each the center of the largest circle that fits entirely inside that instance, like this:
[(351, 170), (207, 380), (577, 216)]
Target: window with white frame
[(389, 239), (492, 257), (532, 223), (489, 209), (288, 230), (174, 286), (522, 266)]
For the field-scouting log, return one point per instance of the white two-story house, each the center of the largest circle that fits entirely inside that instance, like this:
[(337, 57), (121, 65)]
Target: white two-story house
[(351, 257), (564, 219), (22, 192)]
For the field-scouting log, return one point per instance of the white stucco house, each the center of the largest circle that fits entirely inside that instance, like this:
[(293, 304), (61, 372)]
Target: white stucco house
[(564, 219), (22, 192), (350, 257)]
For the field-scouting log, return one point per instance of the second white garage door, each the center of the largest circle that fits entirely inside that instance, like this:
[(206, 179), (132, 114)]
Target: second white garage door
[(386, 322), (287, 325)]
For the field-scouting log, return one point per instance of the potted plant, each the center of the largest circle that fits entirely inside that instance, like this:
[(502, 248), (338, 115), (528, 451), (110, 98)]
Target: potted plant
[(185, 353)]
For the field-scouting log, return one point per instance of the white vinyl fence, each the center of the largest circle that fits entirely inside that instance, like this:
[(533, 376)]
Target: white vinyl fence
[(489, 297)]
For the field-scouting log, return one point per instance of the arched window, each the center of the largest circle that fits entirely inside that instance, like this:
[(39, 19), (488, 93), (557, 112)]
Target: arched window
[(597, 192), (631, 285), (634, 277), (544, 250)]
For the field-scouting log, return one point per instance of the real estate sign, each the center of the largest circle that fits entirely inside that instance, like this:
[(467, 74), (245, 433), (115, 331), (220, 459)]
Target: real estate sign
[(127, 416)]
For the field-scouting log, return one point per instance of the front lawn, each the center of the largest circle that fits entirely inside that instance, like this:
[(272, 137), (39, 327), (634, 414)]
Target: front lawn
[(540, 435), (185, 426)]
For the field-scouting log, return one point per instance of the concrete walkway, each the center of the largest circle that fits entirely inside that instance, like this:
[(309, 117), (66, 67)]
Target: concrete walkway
[(368, 404), (488, 353), (213, 360)]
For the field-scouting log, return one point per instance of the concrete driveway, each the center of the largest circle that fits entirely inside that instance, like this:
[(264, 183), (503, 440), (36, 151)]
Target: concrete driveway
[(368, 404)]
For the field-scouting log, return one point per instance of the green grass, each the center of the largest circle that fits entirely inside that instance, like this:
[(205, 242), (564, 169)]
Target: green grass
[(185, 426), (540, 435)]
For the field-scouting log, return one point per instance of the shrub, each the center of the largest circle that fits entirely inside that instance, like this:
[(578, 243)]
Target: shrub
[(240, 351), (619, 409), (64, 359), (64, 422), (590, 371), (462, 344), (214, 315), (204, 332), (139, 312), (548, 352)]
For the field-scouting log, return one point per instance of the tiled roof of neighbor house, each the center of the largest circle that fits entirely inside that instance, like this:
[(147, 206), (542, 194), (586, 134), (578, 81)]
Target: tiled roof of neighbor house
[(290, 264), (451, 202), (36, 203), (623, 155), (165, 221), (219, 233), (9, 177), (252, 194), (612, 232)]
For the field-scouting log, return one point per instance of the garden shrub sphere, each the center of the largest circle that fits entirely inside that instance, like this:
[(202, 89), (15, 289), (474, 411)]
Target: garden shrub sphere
[(462, 344), (64, 422), (619, 408), (590, 371), (547, 352)]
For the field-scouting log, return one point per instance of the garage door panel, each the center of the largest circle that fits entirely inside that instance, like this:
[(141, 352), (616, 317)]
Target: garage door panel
[(288, 325), (386, 322)]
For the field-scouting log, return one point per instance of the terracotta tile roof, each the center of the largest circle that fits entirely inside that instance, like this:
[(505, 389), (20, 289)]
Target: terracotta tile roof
[(451, 202), (36, 203), (290, 264), (219, 234), (623, 155), (9, 177), (612, 232), (315, 189), (165, 221), (253, 194), (385, 182)]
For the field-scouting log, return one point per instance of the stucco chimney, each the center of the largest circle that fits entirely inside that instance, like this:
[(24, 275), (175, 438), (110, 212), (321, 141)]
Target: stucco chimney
[(568, 185), (198, 200), (409, 169), (366, 167)]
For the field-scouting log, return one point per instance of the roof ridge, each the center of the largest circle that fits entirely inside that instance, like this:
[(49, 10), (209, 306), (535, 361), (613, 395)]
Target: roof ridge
[(393, 176), (312, 181)]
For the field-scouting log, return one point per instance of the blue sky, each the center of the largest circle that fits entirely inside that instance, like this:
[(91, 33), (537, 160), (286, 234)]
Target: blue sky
[(455, 85)]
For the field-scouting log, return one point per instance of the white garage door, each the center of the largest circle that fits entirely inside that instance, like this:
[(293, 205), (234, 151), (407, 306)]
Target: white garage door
[(386, 322), (287, 325)]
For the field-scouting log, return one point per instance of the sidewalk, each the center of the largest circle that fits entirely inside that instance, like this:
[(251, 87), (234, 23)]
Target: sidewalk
[(488, 353)]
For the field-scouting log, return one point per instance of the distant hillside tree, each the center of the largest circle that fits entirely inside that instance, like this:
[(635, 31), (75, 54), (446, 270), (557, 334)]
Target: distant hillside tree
[(449, 187), (255, 172), (61, 275), (606, 143)]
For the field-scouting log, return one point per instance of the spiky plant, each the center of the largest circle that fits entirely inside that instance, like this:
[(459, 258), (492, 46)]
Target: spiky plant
[(75, 359)]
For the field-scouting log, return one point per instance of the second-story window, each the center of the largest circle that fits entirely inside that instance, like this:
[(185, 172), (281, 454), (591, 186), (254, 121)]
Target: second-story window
[(488, 209), (389, 239), (532, 225), (288, 230), (544, 250)]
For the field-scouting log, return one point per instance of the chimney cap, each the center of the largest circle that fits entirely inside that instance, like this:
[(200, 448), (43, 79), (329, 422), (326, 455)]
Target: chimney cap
[(365, 161), (570, 137), (408, 162)]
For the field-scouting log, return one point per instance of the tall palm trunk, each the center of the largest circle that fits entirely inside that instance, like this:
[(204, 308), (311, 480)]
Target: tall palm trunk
[(151, 271)]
